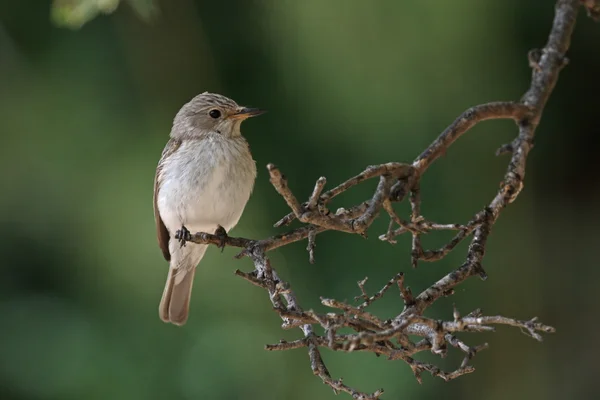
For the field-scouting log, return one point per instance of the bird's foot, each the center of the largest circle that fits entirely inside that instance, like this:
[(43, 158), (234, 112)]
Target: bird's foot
[(183, 235), (221, 233)]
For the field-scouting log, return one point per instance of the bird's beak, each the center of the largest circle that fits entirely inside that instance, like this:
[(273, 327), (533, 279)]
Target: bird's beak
[(245, 112)]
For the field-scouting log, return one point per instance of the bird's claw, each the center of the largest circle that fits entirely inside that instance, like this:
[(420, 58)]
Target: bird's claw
[(221, 233), (183, 235)]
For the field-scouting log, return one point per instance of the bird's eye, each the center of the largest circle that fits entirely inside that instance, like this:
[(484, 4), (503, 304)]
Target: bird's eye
[(214, 113)]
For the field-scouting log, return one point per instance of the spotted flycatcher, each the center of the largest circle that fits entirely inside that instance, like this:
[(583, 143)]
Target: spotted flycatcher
[(203, 181)]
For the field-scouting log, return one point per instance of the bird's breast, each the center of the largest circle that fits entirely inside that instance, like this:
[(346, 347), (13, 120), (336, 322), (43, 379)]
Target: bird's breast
[(206, 183)]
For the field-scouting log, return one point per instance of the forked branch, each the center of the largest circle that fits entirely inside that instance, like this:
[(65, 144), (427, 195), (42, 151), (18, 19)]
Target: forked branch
[(390, 337)]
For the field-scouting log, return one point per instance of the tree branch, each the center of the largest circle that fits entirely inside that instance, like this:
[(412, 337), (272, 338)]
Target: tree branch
[(390, 337)]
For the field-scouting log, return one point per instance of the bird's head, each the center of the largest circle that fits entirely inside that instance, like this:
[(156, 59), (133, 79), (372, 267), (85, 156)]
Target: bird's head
[(211, 112)]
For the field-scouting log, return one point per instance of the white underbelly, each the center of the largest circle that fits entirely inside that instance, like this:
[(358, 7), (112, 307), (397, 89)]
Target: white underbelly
[(200, 201)]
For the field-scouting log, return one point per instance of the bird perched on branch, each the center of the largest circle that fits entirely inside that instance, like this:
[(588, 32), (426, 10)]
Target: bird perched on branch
[(203, 181)]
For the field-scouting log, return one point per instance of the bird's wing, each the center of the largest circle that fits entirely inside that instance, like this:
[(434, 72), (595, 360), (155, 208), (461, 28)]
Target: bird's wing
[(161, 230)]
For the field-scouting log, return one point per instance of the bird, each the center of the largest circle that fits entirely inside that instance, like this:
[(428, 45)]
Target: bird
[(203, 180)]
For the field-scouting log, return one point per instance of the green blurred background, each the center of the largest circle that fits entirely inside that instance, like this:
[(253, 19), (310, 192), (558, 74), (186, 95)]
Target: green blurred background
[(85, 113)]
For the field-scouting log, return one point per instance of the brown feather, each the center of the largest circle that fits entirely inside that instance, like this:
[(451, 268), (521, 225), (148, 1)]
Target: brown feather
[(162, 232), (175, 302)]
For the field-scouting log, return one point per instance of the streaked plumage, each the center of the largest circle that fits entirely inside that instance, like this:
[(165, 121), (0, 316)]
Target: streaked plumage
[(204, 179)]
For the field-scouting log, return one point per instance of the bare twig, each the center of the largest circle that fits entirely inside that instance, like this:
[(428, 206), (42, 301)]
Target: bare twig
[(466, 121), (392, 337), (405, 292), (368, 300)]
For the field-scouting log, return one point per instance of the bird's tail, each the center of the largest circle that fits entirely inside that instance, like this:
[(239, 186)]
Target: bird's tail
[(175, 302)]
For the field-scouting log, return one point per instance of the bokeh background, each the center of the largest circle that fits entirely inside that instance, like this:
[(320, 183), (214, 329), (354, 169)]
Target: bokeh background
[(86, 104)]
